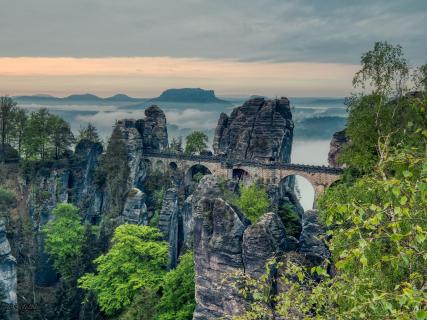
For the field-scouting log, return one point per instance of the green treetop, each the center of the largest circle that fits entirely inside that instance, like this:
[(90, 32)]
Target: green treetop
[(196, 142)]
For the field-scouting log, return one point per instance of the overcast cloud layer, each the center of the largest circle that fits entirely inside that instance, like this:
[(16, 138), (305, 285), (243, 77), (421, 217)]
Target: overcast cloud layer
[(246, 30)]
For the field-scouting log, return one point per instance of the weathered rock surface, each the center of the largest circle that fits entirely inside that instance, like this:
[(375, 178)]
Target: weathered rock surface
[(311, 242), (84, 193), (168, 223), (47, 190), (218, 237), (337, 143), (8, 274), (154, 132), (135, 210), (260, 129), (187, 222), (262, 241)]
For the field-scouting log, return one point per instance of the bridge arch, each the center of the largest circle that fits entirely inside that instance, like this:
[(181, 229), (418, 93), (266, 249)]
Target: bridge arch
[(241, 175), (195, 172), (173, 166), (303, 189)]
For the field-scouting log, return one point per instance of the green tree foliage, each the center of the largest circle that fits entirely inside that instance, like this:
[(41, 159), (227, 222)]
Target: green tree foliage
[(7, 110), (384, 68), (136, 260), (376, 225), (89, 133), (7, 201), (290, 218), (176, 145), (46, 135), (19, 122), (420, 78), (253, 201), (65, 239), (61, 136), (177, 301), (196, 142)]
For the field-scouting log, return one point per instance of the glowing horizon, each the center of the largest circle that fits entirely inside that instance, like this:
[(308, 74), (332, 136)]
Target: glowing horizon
[(149, 76)]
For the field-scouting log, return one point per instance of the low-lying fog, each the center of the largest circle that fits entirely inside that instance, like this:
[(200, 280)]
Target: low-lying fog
[(316, 119)]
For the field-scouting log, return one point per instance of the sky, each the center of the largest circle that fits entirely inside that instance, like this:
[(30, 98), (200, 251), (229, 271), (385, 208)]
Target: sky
[(239, 47)]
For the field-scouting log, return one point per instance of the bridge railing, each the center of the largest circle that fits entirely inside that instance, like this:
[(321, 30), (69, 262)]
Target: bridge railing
[(236, 162)]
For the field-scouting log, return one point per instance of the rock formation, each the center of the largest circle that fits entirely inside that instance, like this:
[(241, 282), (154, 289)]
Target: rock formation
[(218, 237), (8, 272), (260, 129), (135, 210), (337, 143), (261, 242), (168, 223), (153, 129), (311, 242)]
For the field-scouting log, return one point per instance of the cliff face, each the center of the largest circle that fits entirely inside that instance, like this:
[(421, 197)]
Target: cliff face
[(260, 129), (140, 136), (226, 246), (337, 143), (8, 272)]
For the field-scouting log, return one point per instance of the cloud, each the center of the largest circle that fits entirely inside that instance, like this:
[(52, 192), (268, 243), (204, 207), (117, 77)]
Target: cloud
[(276, 30)]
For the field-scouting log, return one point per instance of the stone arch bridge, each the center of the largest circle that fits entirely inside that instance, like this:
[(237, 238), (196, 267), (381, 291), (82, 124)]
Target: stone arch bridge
[(248, 171)]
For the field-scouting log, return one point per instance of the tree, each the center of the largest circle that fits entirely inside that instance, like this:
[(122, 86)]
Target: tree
[(7, 201), (384, 68), (61, 135), (19, 123), (253, 201), (196, 142), (177, 301), (137, 260), (376, 227), (176, 145), (89, 133), (7, 110), (420, 78), (65, 239), (36, 135)]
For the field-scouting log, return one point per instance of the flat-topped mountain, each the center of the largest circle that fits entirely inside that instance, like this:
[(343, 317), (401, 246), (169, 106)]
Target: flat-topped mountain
[(189, 95)]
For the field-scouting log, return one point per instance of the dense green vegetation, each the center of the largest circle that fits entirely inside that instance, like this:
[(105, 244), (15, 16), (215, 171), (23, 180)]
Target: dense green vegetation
[(89, 133), (376, 217), (37, 136), (196, 142), (137, 259), (7, 201), (65, 238), (253, 201)]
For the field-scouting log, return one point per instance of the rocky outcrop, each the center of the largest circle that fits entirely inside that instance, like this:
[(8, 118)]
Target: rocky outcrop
[(260, 129), (261, 242), (218, 238), (187, 223), (311, 242), (135, 210), (168, 223), (48, 188), (83, 191), (337, 143), (8, 278), (153, 129), (140, 136)]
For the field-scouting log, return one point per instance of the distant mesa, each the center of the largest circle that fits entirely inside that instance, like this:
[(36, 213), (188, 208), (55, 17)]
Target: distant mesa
[(196, 95)]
